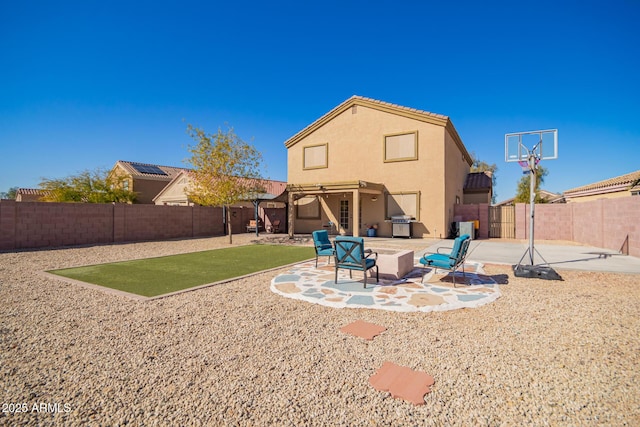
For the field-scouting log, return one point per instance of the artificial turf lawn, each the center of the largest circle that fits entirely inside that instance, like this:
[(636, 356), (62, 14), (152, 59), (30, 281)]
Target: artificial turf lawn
[(157, 276)]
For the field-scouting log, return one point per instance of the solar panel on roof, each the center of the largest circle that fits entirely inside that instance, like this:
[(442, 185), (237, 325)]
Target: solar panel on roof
[(150, 169)]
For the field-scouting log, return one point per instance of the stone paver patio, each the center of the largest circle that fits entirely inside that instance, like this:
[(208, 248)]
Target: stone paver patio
[(316, 285)]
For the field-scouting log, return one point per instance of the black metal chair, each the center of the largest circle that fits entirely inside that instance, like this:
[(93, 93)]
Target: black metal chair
[(351, 255)]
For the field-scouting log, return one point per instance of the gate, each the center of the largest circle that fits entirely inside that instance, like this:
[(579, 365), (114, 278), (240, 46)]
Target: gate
[(502, 222)]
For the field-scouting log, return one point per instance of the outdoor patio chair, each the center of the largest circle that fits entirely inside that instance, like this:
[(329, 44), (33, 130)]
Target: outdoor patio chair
[(253, 225), (448, 261), (351, 255), (322, 245)]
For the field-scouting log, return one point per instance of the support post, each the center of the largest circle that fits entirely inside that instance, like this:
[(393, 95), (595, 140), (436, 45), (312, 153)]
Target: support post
[(255, 205), (290, 209), (532, 202), (356, 213)]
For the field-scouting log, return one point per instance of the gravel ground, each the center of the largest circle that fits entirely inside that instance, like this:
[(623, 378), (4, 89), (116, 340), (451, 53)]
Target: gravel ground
[(545, 353)]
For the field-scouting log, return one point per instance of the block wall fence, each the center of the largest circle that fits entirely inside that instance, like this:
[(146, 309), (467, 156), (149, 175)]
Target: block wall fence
[(25, 225), (606, 223)]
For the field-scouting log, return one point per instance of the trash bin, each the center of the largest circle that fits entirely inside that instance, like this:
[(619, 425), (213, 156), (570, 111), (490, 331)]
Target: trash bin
[(371, 232)]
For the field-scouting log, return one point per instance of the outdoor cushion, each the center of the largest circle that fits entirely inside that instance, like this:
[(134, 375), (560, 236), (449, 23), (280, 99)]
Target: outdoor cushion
[(351, 255), (369, 262), (451, 261), (322, 244), (437, 260)]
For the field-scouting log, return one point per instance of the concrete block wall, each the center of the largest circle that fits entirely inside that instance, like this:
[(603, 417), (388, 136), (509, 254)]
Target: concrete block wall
[(621, 225), (588, 227), (207, 222), (605, 223), (7, 224), (26, 225), (479, 212), (522, 222), (39, 224), (551, 222), (150, 222)]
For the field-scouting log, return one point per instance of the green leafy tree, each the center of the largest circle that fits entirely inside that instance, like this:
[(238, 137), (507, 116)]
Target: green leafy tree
[(225, 170), (11, 194), (524, 191), (482, 166), (86, 187)]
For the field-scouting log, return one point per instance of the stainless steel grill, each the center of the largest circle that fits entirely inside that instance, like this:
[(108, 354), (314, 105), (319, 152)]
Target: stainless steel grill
[(401, 226)]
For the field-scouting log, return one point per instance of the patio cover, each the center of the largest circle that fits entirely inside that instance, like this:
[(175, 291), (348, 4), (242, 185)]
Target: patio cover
[(256, 198), (357, 188)]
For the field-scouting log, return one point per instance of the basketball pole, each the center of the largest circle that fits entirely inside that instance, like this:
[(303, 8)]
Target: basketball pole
[(532, 204), (516, 151), (532, 162)]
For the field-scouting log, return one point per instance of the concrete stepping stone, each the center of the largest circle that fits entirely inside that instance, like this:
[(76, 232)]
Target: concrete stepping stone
[(402, 382), (363, 329)]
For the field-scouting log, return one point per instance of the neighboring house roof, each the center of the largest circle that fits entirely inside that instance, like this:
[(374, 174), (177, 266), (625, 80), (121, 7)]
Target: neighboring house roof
[(30, 194), (547, 195), (274, 188), (413, 113), (149, 171), (618, 183), (478, 181), (271, 187), (32, 191)]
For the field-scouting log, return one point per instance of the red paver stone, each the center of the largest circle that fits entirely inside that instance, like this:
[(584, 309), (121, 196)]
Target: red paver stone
[(402, 382), (363, 329)]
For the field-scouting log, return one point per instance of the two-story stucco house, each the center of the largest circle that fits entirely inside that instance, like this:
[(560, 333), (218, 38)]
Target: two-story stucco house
[(366, 161)]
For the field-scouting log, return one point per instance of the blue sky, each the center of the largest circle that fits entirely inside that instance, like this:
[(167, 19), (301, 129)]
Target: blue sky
[(84, 84)]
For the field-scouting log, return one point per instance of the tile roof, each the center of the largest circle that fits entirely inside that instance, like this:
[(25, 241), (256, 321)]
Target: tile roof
[(32, 191), (628, 180), (367, 102), (274, 187), (134, 168), (549, 196), (399, 107), (477, 181), (277, 188)]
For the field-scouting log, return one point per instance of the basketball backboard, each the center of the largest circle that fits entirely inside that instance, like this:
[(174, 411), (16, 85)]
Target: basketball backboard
[(543, 144)]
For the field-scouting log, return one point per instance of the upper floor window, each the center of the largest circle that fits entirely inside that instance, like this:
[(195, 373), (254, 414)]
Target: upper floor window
[(315, 156), (401, 147)]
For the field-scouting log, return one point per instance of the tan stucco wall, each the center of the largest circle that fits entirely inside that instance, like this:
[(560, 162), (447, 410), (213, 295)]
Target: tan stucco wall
[(355, 152), (174, 193), (456, 172), (475, 198)]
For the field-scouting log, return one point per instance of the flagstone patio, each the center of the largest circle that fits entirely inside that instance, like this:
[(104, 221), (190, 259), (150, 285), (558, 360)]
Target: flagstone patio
[(316, 285)]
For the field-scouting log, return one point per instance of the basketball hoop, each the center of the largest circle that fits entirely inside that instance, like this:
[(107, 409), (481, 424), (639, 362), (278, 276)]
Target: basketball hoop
[(517, 150), (525, 165)]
